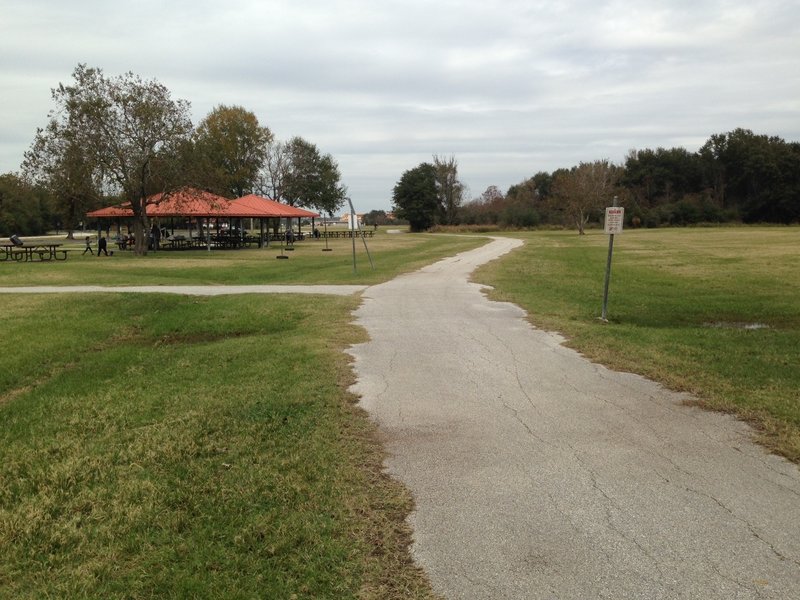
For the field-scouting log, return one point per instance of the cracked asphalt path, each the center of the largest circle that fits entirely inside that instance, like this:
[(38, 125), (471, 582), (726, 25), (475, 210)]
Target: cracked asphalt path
[(538, 474)]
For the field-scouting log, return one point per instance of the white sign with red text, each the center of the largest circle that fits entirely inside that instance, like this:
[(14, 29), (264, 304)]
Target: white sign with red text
[(615, 216)]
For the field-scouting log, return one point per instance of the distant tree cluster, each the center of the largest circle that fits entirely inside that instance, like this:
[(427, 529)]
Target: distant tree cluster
[(377, 218), (429, 194), (124, 138), (735, 177), (24, 209)]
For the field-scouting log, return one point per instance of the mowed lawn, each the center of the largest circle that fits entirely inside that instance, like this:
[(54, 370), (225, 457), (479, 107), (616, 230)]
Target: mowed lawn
[(392, 254), (711, 311), (185, 447)]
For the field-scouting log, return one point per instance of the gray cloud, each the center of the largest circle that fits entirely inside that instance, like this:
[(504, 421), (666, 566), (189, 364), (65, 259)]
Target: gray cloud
[(510, 87)]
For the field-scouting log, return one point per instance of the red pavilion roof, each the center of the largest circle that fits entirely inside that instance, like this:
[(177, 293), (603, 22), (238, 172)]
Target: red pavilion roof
[(190, 202)]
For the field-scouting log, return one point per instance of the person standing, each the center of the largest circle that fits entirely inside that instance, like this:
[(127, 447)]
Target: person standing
[(155, 237), (102, 245)]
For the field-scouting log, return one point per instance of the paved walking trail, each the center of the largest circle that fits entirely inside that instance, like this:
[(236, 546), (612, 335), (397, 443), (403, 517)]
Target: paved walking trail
[(538, 474)]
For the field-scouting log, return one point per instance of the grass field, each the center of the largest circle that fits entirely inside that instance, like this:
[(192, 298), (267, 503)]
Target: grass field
[(392, 254), (711, 311), (182, 447)]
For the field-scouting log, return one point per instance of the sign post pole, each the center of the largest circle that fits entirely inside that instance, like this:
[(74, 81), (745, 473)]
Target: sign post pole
[(614, 218), (351, 225)]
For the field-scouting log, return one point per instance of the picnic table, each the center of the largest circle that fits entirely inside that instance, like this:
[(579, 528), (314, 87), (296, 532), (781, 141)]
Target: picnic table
[(346, 233), (178, 242), (226, 240), (32, 252)]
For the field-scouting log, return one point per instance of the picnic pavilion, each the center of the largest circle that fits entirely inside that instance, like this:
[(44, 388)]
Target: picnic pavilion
[(218, 221)]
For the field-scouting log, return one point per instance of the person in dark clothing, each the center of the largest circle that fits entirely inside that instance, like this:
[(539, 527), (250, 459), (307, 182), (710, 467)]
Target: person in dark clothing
[(155, 237), (102, 244)]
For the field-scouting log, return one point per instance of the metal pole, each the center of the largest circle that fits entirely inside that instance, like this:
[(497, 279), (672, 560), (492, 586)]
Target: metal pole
[(608, 271), (325, 223), (352, 231), (364, 239)]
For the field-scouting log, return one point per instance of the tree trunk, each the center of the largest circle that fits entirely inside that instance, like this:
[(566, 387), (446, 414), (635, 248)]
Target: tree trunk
[(140, 233), (581, 221)]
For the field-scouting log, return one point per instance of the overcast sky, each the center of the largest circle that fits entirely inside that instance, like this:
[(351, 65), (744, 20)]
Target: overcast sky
[(509, 87)]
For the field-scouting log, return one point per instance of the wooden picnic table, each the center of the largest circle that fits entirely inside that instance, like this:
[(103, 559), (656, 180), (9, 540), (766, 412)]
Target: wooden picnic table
[(32, 252), (346, 233)]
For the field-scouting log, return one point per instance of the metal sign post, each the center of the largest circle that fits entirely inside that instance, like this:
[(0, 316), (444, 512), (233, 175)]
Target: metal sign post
[(325, 222), (615, 216), (282, 255), (355, 225)]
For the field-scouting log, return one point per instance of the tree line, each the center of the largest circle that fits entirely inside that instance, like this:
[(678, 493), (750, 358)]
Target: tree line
[(123, 138), (738, 176)]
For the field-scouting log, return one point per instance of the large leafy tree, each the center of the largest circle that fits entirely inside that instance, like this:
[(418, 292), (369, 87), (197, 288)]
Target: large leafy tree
[(416, 198), (273, 174), (302, 176), (132, 133), (584, 190), (59, 163), (449, 188), (332, 193), (230, 149)]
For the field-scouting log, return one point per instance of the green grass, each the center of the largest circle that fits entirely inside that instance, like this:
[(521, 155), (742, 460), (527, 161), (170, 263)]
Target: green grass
[(178, 447), (679, 300), (392, 254)]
